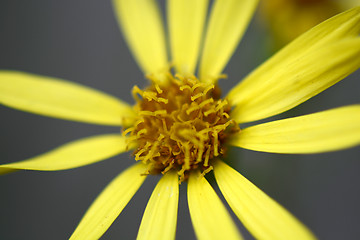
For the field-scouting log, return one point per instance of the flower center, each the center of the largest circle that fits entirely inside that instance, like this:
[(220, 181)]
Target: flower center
[(182, 125)]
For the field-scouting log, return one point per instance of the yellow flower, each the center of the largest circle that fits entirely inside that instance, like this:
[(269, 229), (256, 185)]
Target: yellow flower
[(180, 127), (287, 19)]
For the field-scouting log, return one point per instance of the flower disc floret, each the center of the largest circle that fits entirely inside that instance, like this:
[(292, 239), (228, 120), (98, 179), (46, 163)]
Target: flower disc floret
[(182, 125)]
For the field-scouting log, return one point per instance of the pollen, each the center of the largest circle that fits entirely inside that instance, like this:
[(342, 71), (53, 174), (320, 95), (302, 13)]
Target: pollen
[(181, 126)]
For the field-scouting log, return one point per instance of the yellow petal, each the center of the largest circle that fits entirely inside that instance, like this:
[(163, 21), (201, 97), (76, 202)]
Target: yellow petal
[(310, 64), (228, 21), (186, 21), (71, 155), (109, 204), (301, 80), (208, 214), (141, 23), (61, 99), (159, 219), (261, 215), (318, 132)]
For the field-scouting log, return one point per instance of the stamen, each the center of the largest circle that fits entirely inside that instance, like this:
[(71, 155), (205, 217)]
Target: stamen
[(216, 143), (193, 98), (158, 89), (209, 88), (164, 124), (150, 113), (185, 87), (207, 157), (151, 153), (141, 151), (182, 125), (193, 108), (170, 166), (126, 131), (187, 156), (207, 101), (221, 105), (208, 112), (142, 131), (196, 86), (225, 115), (135, 91), (207, 170)]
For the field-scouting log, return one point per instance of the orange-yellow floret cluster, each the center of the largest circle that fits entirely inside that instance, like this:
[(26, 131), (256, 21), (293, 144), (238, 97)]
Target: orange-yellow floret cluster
[(182, 125)]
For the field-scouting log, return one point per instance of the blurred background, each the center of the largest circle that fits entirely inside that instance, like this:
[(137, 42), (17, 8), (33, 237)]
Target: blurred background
[(80, 41)]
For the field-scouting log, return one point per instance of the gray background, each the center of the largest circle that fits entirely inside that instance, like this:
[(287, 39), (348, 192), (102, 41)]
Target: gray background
[(80, 41)]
